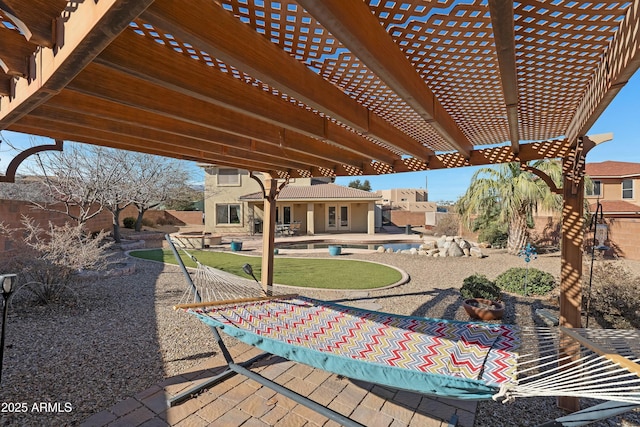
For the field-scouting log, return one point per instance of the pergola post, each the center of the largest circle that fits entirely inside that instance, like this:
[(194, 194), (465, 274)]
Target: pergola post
[(268, 233), (571, 261)]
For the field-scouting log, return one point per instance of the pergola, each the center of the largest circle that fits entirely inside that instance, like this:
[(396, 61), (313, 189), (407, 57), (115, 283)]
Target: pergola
[(325, 88)]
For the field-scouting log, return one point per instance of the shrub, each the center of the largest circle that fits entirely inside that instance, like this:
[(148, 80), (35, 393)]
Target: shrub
[(614, 302), (448, 225), (538, 282), (148, 222), (478, 286), (129, 222), (495, 235), (47, 260)]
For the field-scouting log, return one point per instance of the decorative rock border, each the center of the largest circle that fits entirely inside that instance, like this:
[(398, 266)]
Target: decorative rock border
[(445, 246)]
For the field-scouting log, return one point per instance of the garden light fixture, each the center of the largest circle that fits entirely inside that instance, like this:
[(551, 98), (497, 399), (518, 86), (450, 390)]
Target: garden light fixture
[(7, 283)]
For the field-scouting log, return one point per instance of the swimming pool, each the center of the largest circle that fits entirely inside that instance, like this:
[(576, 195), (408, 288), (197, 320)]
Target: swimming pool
[(397, 246)]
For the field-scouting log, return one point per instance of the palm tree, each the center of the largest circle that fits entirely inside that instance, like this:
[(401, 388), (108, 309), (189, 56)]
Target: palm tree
[(515, 192)]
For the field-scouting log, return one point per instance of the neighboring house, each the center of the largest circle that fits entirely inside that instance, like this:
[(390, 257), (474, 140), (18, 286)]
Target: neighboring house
[(616, 185), (407, 206), (234, 204)]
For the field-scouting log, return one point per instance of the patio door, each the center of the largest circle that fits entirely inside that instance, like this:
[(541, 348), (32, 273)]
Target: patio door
[(338, 218)]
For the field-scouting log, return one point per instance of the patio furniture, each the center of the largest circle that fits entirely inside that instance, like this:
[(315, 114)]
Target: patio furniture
[(464, 360)]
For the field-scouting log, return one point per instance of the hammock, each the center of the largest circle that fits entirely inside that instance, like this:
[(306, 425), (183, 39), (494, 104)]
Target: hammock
[(464, 360)]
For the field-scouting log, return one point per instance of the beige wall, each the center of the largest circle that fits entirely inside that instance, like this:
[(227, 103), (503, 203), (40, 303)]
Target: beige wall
[(611, 189), (217, 193)]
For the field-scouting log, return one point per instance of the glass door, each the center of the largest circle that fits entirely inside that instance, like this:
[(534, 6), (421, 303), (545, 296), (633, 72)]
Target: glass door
[(337, 218)]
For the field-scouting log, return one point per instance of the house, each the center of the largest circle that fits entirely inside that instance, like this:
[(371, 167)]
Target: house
[(616, 186), (234, 205), (407, 206)]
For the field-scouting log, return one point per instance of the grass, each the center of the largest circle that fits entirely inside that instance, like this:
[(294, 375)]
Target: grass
[(304, 272)]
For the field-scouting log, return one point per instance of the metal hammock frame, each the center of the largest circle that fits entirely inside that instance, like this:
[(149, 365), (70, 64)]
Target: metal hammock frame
[(607, 368)]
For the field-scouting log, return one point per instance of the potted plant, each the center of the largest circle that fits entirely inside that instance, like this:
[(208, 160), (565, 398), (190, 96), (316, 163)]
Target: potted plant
[(481, 298), (236, 245)]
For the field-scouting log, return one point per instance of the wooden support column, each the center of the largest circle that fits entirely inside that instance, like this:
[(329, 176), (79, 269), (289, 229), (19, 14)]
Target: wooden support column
[(268, 233), (571, 262)]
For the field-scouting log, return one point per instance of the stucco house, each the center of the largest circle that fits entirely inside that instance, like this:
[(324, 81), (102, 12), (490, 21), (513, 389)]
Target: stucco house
[(234, 205), (616, 186)]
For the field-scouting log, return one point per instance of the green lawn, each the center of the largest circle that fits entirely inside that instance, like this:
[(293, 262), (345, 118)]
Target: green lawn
[(306, 272)]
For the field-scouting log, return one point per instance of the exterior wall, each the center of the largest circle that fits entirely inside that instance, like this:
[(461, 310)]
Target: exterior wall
[(359, 217), (11, 212), (623, 237), (611, 189), (400, 196), (402, 218), (216, 194)]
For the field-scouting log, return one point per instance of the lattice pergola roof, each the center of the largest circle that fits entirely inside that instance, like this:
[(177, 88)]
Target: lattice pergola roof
[(317, 88)]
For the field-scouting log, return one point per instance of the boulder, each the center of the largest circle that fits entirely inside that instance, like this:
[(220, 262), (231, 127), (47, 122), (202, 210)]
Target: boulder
[(454, 250), (476, 252)]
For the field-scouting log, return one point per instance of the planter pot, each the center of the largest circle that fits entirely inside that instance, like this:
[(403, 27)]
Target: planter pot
[(483, 309), (236, 246), (335, 250)]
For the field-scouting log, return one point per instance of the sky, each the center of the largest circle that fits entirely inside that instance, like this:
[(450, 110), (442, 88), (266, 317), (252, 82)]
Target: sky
[(622, 118)]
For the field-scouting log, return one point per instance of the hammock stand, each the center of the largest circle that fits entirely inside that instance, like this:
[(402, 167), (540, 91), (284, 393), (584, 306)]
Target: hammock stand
[(602, 374)]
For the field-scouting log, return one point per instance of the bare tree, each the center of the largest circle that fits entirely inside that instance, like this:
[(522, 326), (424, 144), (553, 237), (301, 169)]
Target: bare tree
[(156, 179), (84, 180)]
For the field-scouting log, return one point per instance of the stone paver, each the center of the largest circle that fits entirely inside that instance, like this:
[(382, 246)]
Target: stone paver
[(239, 401)]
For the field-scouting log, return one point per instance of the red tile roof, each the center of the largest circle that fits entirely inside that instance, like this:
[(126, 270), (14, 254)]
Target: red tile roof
[(318, 192), (616, 206), (612, 169)]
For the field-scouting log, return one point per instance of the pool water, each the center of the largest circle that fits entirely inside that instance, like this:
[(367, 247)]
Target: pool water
[(395, 246)]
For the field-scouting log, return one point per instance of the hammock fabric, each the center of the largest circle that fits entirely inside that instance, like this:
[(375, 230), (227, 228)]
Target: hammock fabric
[(439, 357), (464, 360)]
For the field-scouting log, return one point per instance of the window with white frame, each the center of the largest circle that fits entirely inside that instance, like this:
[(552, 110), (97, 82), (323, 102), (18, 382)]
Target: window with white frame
[(227, 214), (627, 189), (228, 176), (596, 190)]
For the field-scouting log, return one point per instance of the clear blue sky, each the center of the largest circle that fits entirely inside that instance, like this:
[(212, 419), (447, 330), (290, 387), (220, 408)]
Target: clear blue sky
[(621, 118)]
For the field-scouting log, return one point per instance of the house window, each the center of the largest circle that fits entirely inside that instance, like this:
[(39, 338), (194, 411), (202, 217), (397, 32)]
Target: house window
[(627, 189), (596, 191), (227, 214), (228, 177)]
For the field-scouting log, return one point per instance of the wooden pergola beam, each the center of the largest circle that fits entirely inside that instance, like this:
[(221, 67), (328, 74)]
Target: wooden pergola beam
[(619, 63), (88, 31), (502, 22), (257, 56), (360, 31)]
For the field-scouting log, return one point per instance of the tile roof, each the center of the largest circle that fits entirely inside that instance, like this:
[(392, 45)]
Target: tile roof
[(612, 169), (318, 192), (616, 206)]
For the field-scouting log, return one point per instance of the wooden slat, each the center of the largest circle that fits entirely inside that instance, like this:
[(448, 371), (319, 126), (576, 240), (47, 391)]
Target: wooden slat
[(172, 145), (256, 55), (618, 64), (14, 53), (88, 30), (504, 35), (105, 109), (38, 17), (358, 29)]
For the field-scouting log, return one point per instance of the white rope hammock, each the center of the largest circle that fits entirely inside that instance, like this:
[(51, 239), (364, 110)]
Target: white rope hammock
[(595, 363)]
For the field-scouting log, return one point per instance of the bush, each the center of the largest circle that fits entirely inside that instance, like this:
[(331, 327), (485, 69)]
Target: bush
[(538, 282), (129, 222), (448, 225), (495, 235), (614, 302), (478, 286), (148, 222)]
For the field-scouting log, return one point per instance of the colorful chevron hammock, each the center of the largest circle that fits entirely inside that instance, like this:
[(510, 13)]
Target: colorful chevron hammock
[(464, 360)]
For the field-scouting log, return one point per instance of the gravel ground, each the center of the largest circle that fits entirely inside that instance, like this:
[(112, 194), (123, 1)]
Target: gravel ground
[(120, 336)]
